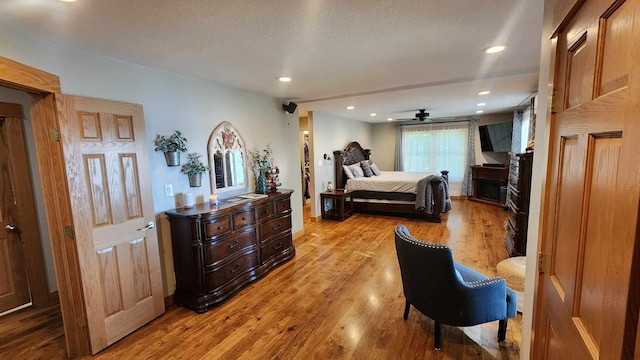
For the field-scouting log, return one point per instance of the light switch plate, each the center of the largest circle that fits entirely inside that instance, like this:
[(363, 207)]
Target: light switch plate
[(168, 190)]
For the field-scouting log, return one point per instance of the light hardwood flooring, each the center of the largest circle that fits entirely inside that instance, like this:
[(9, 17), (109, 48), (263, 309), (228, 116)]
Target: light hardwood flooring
[(339, 298)]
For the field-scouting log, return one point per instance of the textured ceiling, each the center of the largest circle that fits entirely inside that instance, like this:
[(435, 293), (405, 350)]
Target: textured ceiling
[(382, 56)]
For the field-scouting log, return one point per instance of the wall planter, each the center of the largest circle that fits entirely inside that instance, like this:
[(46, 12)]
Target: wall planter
[(171, 146), (194, 169)]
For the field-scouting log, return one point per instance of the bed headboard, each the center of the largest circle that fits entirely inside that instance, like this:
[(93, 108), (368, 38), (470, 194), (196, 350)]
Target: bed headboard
[(352, 153)]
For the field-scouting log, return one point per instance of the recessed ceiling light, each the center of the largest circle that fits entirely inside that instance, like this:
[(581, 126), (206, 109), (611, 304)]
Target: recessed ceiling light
[(284, 78), (479, 111), (481, 104), (372, 114), (485, 92), (389, 119), (350, 107), (494, 49), (68, 0)]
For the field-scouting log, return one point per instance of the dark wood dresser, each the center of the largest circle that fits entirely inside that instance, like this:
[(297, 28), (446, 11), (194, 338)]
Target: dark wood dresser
[(518, 203), (219, 249)]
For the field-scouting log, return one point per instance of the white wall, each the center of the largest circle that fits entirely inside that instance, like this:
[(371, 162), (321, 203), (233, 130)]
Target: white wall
[(330, 133), (170, 101), (543, 126), (20, 97), (384, 145)]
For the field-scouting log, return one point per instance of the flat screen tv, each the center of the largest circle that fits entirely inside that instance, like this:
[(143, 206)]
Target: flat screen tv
[(496, 137)]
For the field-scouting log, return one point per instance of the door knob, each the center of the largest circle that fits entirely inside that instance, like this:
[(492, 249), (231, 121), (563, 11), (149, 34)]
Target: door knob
[(11, 228), (149, 226)]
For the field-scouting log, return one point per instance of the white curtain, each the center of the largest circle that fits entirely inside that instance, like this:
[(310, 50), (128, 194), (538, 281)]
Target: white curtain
[(435, 147)]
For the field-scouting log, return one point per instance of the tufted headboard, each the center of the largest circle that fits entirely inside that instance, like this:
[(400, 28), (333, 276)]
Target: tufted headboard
[(352, 153)]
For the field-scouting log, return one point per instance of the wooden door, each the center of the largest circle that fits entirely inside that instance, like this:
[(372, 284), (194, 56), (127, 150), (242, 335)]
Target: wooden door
[(14, 284), (108, 173), (585, 306)]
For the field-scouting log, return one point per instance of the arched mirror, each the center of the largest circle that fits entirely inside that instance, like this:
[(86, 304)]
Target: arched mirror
[(227, 159)]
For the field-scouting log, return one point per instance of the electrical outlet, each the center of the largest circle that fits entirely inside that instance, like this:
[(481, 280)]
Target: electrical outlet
[(168, 190)]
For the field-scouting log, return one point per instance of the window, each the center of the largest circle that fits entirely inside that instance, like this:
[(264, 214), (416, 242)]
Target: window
[(435, 147)]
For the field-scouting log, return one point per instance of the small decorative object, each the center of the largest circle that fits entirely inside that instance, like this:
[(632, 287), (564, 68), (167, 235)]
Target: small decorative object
[(329, 185), (194, 169), (260, 164), (273, 178), (189, 200), (171, 146), (213, 199)]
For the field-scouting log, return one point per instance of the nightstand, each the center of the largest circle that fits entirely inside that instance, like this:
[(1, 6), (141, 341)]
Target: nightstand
[(340, 209)]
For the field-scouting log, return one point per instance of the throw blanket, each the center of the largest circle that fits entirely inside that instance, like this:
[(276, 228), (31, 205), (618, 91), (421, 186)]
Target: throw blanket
[(425, 198)]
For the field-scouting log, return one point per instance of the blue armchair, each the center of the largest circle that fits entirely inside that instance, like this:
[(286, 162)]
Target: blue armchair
[(447, 292)]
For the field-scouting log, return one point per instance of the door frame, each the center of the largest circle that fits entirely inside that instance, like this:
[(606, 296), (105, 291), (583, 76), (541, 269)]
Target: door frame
[(30, 235), (44, 93)]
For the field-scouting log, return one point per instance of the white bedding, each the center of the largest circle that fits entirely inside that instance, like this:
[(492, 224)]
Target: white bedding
[(388, 181)]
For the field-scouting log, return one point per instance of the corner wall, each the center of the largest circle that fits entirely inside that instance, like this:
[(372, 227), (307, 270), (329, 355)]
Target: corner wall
[(330, 133), (170, 101)]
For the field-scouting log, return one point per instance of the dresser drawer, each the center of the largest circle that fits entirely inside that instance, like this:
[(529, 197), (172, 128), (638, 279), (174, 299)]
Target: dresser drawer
[(228, 272), (283, 206), (266, 211), (274, 247), (274, 227), (216, 227), (243, 218), (220, 250)]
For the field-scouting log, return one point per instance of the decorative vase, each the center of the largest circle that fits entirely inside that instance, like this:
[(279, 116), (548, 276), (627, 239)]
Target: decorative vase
[(195, 180), (261, 183), (173, 158)]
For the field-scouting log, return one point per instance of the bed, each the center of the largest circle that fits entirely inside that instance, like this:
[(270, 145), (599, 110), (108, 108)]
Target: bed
[(393, 192)]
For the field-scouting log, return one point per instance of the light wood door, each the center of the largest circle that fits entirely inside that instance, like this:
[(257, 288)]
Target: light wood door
[(592, 194), (108, 172), (14, 284)]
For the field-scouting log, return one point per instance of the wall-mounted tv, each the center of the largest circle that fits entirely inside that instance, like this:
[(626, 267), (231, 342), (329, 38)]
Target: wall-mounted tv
[(496, 137)]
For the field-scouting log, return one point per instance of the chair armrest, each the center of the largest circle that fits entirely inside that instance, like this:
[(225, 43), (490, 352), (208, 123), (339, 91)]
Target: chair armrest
[(485, 300)]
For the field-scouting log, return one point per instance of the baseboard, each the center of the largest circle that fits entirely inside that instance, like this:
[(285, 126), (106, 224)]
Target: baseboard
[(54, 297), (168, 301), (298, 234)]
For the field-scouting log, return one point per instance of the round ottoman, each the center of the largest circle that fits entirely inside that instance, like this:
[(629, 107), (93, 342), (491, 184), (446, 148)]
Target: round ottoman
[(513, 270)]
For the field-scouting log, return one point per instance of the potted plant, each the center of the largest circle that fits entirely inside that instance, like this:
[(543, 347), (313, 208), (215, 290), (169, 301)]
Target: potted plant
[(194, 169), (171, 146), (260, 163)]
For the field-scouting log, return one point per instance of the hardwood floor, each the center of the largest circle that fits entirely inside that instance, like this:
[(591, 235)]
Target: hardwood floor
[(339, 298)]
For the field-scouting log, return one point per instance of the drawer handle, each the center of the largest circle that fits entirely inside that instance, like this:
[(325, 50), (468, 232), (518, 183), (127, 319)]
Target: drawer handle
[(243, 218), (235, 268), (266, 212), (276, 227), (219, 228), (278, 246), (233, 244)]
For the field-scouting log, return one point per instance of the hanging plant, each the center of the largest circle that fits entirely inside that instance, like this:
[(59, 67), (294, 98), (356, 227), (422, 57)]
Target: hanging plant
[(171, 146), (194, 169)]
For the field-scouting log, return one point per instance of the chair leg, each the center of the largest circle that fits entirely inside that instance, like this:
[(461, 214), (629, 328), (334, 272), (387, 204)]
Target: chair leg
[(502, 330), (437, 335), (406, 310)]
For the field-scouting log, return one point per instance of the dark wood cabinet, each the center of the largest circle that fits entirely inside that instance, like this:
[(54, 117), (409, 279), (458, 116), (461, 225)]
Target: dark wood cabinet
[(219, 249), (518, 203), (488, 182)]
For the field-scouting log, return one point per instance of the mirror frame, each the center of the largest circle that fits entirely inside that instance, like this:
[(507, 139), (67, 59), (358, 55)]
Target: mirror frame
[(224, 138)]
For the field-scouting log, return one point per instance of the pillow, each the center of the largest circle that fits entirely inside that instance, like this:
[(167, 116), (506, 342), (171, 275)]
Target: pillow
[(366, 168), (356, 170), (374, 168), (347, 172)]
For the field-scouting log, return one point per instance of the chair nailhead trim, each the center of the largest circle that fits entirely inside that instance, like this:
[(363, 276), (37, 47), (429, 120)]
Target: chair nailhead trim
[(473, 284)]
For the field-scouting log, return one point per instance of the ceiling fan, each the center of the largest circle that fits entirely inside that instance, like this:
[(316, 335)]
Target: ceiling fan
[(423, 115)]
